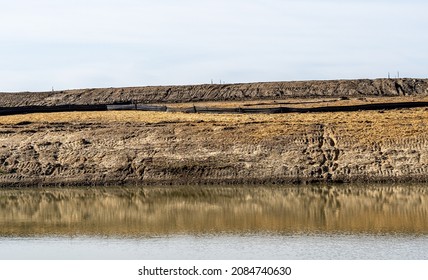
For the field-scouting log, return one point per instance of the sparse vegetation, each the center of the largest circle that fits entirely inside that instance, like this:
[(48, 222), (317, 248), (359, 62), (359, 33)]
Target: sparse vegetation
[(366, 126)]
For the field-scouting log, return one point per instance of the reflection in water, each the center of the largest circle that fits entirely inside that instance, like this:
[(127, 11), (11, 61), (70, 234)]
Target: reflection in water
[(210, 210)]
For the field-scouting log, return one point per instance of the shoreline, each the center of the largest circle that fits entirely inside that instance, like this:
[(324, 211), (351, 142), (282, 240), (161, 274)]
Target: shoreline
[(255, 182)]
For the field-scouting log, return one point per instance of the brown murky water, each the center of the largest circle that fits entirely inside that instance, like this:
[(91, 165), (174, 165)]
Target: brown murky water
[(160, 211)]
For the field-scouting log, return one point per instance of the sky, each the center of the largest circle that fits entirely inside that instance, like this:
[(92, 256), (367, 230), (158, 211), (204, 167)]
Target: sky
[(47, 44)]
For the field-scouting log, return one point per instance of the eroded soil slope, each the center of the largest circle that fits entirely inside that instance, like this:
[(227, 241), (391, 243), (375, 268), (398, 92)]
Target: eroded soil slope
[(169, 148)]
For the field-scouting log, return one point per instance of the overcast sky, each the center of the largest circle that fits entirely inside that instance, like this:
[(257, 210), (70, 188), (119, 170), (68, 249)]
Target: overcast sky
[(108, 43)]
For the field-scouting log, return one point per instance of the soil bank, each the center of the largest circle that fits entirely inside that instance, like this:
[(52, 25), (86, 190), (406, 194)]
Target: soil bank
[(131, 147)]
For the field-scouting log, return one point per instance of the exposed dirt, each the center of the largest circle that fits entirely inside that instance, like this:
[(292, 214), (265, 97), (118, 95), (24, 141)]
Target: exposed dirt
[(127, 147), (227, 92)]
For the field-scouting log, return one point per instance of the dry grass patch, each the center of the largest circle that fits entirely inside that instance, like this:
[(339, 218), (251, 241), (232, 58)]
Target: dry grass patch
[(367, 126)]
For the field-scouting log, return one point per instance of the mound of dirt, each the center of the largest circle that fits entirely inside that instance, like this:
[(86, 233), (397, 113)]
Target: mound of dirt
[(221, 92)]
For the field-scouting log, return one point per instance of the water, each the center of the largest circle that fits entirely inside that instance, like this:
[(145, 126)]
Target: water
[(212, 247), (342, 222)]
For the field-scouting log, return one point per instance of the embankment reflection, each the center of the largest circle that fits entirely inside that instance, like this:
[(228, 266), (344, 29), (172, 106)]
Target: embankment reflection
[(202, 210)]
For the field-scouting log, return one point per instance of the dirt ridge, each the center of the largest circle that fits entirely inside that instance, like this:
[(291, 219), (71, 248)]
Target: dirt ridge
[(221, 92)]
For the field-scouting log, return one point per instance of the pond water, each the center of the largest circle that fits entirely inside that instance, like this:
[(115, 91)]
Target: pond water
[(200, 222)]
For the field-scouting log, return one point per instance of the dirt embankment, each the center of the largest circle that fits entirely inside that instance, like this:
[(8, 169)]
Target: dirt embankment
[(132, 147), (226, 92), (89, 148)]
